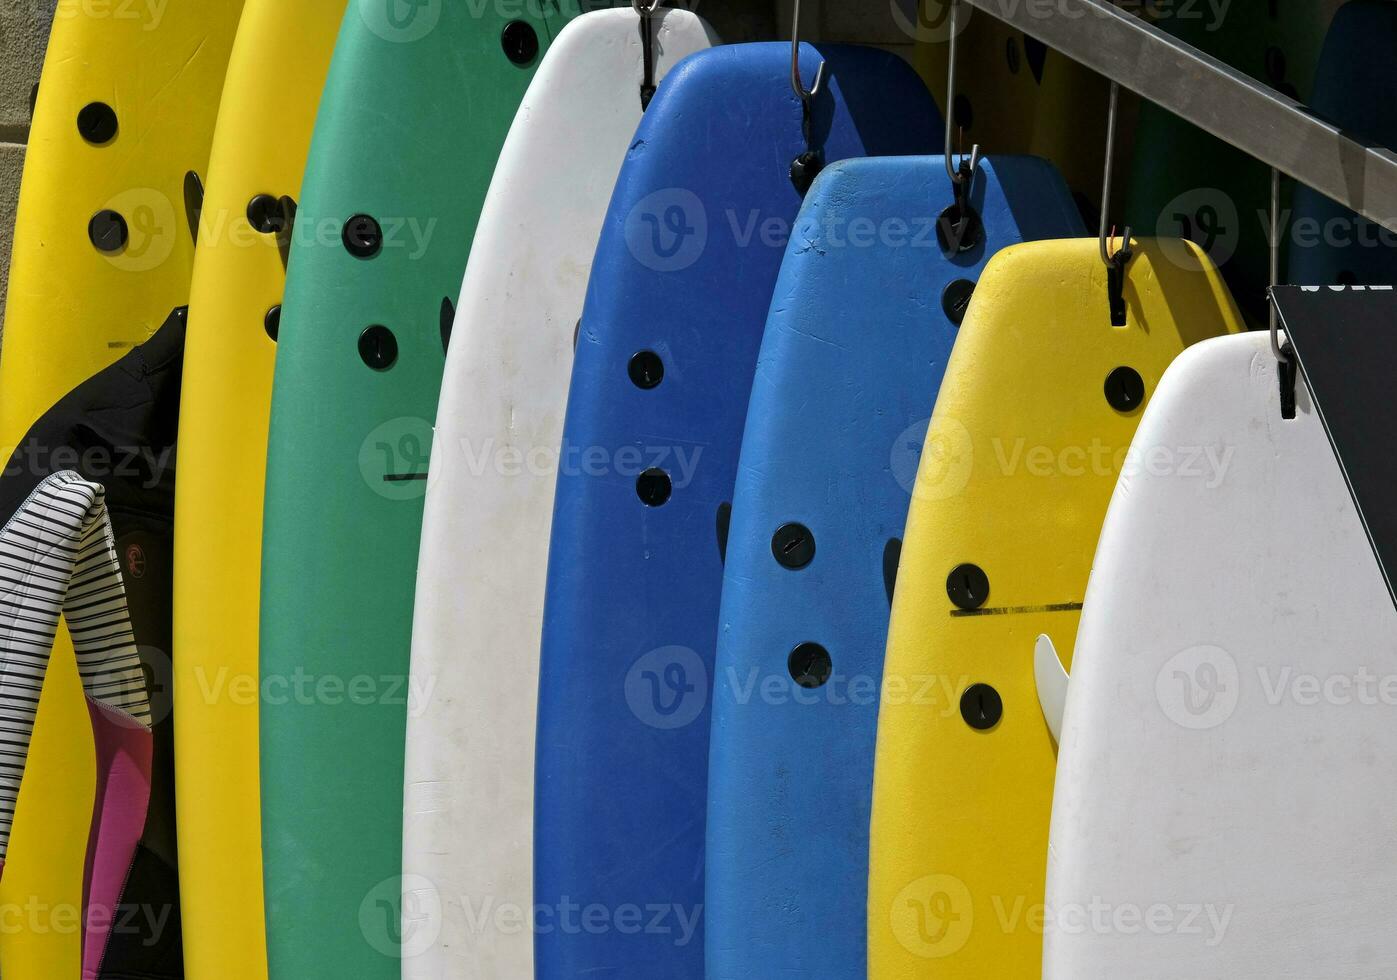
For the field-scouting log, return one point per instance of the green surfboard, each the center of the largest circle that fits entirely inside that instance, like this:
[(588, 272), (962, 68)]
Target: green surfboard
[(419, 98)]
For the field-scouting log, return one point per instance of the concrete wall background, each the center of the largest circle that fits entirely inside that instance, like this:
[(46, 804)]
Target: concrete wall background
[(24, 29)]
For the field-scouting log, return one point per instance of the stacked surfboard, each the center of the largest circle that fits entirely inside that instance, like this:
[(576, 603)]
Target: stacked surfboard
[(104, 248)]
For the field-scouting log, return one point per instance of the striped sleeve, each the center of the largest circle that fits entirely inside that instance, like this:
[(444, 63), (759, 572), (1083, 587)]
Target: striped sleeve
[(58, 555)]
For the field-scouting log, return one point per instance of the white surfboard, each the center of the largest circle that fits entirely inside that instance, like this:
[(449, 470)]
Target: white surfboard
[(468, 800), (1227, 778)]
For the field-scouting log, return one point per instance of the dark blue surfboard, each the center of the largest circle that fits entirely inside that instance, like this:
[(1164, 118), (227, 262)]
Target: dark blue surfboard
[(668, 342), (865, 313), (1355, 82)]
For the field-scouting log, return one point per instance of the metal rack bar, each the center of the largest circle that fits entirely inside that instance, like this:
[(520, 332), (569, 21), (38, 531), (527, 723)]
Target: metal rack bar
[(1198, 88)]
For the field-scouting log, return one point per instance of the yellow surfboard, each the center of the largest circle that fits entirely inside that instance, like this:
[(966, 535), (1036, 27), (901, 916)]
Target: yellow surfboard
[(1033, 422), (102, 253), (1016, 95), (277, 72)]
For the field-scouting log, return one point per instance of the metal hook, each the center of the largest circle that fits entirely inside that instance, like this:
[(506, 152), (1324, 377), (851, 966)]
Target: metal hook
[(806, 167), (646, 10), (1287, 367), (1107, 256), (1275, 248), (797, 82), (1115, 262), (961, 173)]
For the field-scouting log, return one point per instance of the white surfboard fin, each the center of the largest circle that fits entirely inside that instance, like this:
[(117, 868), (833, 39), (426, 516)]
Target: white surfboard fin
[(1051, 678)]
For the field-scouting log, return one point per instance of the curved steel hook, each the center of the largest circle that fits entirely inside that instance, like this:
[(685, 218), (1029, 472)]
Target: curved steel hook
[(1287, 362), (645, 10), (954, 171), (1275, 247), (1108, 257), (797, 82)]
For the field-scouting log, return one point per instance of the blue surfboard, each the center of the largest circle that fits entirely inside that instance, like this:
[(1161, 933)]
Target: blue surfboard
[(1354, 83), (866, 309), (677, 303)]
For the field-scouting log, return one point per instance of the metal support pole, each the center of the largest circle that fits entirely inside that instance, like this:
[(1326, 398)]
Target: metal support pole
[(1198, 88)]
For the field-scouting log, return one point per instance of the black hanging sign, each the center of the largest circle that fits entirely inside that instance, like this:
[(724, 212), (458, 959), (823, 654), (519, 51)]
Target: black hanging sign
[(1345, 339)]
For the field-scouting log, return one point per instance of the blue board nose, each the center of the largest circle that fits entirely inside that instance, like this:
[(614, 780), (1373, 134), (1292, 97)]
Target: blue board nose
[(678, 300), (865, 313)]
